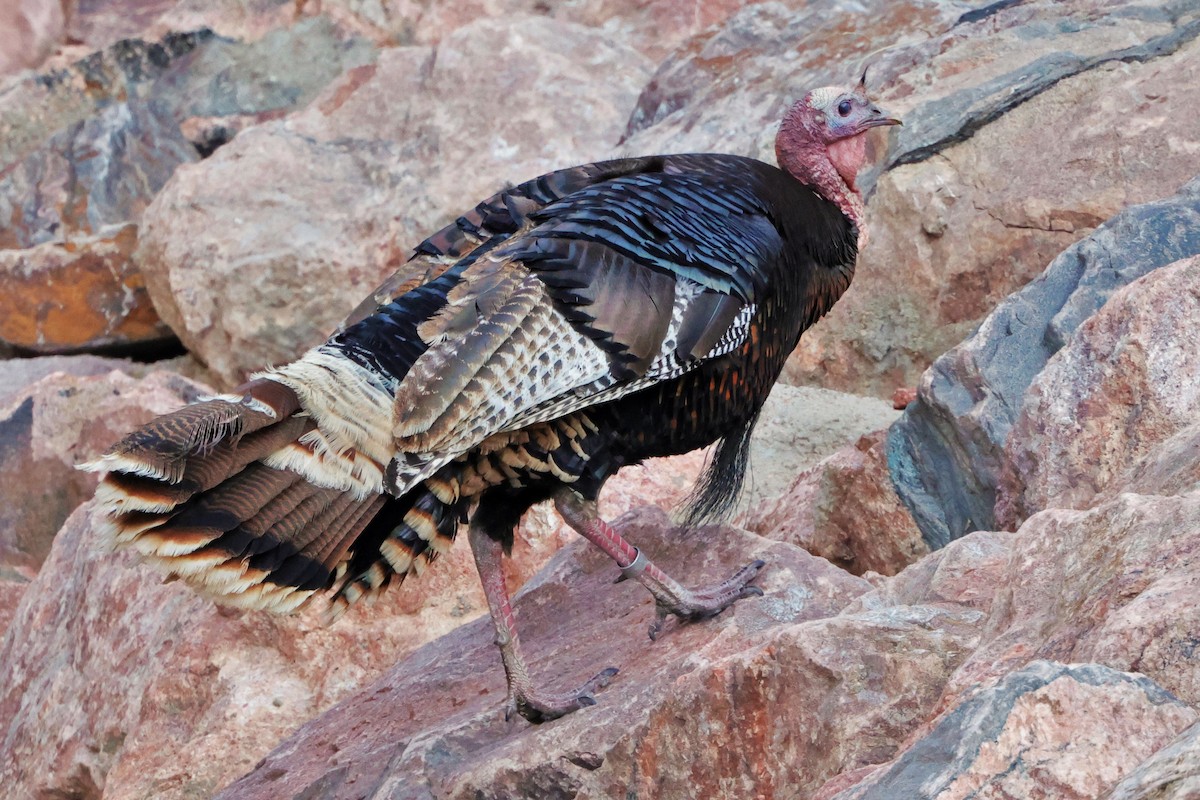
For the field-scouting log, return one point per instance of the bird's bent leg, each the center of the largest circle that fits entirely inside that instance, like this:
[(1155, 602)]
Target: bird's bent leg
[(522, 698), (670, 597)]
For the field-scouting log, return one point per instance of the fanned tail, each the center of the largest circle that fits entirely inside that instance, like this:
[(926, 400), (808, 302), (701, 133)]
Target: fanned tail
[(191, 493)]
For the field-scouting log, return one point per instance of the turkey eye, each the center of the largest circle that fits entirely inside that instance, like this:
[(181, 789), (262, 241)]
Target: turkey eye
[(844, 107)]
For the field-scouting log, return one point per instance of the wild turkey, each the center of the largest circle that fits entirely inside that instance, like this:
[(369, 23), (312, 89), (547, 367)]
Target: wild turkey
[(582, 321)]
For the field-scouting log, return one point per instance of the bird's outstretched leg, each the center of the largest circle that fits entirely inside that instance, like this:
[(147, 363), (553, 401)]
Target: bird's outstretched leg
[(670, 597), (522, 698)]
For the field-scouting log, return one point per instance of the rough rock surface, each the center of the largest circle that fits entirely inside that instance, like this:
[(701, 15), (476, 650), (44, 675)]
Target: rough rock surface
[(1123, 385), (976, 196), (726, 703), (29, 29), (87, 147), (346, 188), (48, 428), (18, 373), (1034, 735), (1173, 773), (946, 453), (84, 294), (652, 27), (845, 509), (1114, 585)]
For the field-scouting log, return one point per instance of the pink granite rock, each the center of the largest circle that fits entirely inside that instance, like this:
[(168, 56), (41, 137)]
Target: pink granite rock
[(1046, 732), (1122, 387), (845, 509), (769, 699)]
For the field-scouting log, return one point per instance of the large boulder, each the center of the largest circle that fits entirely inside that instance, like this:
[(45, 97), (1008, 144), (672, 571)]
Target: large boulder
[(1123, 386), (344, 190), (974, 195), (1034, 734), (845, 509), (724, 708), (87, 146), (947, 453)]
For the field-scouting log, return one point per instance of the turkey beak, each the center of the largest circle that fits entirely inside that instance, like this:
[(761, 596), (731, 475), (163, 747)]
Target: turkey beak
[(876, 117)]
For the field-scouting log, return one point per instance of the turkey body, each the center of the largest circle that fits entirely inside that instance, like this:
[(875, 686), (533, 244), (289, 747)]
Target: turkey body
[(566, 327)]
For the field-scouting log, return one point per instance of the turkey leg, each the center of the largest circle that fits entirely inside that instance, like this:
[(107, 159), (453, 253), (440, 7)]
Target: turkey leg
[(522, 698), (670, 597)]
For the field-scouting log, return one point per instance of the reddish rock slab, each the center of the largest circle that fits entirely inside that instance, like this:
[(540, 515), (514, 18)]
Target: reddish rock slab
[(1173, 773), (1123, 386), (83, 295), (845, 509), (1115, 585), (49, 428), (1045, 732), (769, 699)]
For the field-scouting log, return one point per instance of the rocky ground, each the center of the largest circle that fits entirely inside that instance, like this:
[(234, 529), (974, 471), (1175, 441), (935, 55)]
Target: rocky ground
[(992, 594)]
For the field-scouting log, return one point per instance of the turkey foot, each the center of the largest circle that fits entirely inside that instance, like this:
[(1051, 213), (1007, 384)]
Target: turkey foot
[(669, 596), (538, 708), (689, 605), (522, 698)]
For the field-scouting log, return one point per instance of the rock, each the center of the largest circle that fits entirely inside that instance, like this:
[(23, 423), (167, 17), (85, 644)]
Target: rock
[(977, 198), (112, 124), (972, 199), (653, 28), (50, 427), (946, 453), (1113, 585), (717, 709), (1123, 385), (800, 426), (344, 189), (18, 373), (1173, 773), (1048, 730), (36, 107), (194, 73), (965, 573), (845, 509), (29, 29), (102, 23), (79, 295), (903, 397), (190, 710), (97, 173)]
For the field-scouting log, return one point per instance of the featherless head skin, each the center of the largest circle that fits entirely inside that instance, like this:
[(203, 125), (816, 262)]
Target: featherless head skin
[(822, 141)]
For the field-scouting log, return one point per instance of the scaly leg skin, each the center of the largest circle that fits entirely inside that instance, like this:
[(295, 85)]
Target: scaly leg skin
[(670, 597), (522, 698)]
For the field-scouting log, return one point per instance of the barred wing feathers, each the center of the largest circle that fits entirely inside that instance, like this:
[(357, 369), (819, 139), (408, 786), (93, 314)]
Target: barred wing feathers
[(575, 289)]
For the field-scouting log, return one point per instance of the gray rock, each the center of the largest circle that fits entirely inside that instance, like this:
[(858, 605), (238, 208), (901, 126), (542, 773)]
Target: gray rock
[(99, 171), (946, 453), (1173, 773), (1000, 741)]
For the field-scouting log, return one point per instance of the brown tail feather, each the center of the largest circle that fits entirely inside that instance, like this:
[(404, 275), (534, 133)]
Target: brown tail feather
[(190, 491)]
